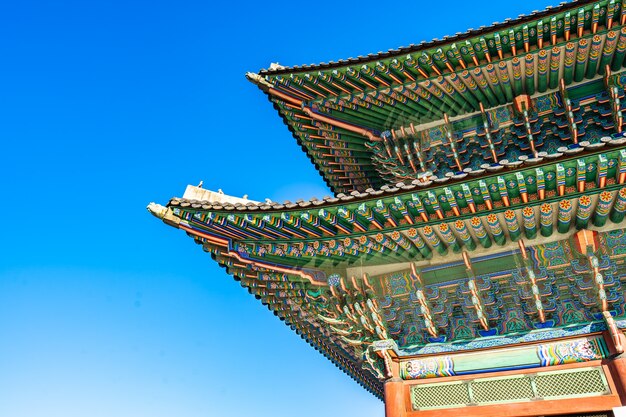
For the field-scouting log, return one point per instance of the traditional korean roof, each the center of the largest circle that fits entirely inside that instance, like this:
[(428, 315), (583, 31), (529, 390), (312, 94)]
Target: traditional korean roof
[(480, 195), (434, 43), (418, 104), (313, 262)]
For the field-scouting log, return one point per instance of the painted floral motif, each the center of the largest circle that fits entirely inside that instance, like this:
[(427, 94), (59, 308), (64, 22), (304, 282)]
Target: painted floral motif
[(581, 350), (428, 368)]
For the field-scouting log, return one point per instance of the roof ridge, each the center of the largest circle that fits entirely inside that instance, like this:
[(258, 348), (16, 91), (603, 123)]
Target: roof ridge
[(276, 69)]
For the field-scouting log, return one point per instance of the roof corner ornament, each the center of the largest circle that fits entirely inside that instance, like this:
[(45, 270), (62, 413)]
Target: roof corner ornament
[(275, 66), (260, 81), (157, 210), (163, 213)]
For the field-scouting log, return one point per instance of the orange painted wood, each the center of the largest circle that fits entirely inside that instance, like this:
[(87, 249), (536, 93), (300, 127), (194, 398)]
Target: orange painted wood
[(610, 343), (618, 371), (610, 378), (394, 399)]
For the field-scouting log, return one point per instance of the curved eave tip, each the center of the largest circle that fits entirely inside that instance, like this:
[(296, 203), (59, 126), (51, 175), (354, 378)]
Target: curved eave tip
[(157, 210), (259, 80)]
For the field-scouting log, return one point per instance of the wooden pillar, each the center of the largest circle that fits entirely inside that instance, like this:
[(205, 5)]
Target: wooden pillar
[(617, 364), (618, 371), (394, 398)]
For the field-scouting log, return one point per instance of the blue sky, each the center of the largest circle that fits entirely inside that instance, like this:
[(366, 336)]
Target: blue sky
[(108, 105)]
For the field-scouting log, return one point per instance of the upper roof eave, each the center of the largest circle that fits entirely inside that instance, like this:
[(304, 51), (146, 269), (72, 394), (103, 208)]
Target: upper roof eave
[(521, 19)]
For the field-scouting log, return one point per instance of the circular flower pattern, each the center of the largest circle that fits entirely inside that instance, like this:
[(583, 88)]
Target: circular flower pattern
[(334, 279)]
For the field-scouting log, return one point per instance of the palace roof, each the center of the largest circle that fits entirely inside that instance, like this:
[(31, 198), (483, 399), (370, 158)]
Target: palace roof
[(304, 260), (355, 119), (434, 43), (480, 193)]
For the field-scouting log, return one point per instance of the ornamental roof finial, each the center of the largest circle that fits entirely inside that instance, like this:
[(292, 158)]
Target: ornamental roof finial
[(157, 210), (259, 80), (276, 66), (163, 213)]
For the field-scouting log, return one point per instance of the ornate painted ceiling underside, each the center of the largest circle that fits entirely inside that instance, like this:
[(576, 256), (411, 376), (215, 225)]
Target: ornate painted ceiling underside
[(392, 117)]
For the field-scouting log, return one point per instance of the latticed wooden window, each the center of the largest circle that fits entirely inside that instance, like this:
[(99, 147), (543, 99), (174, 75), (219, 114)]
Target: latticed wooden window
[(567, 384), (439, 395), (542, 385), (497, 390)]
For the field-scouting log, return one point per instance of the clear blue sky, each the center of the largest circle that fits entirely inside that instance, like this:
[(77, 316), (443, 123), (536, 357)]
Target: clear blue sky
[(108, 105)]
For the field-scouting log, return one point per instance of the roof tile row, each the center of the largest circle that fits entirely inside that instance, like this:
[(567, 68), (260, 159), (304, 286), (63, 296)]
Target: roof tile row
[(428, 44), (401, 187)]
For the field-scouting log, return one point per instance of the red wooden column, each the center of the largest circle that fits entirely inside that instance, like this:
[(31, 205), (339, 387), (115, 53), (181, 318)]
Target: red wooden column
[(394, 398), (394, 393), (617, 365), (618, 371)]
